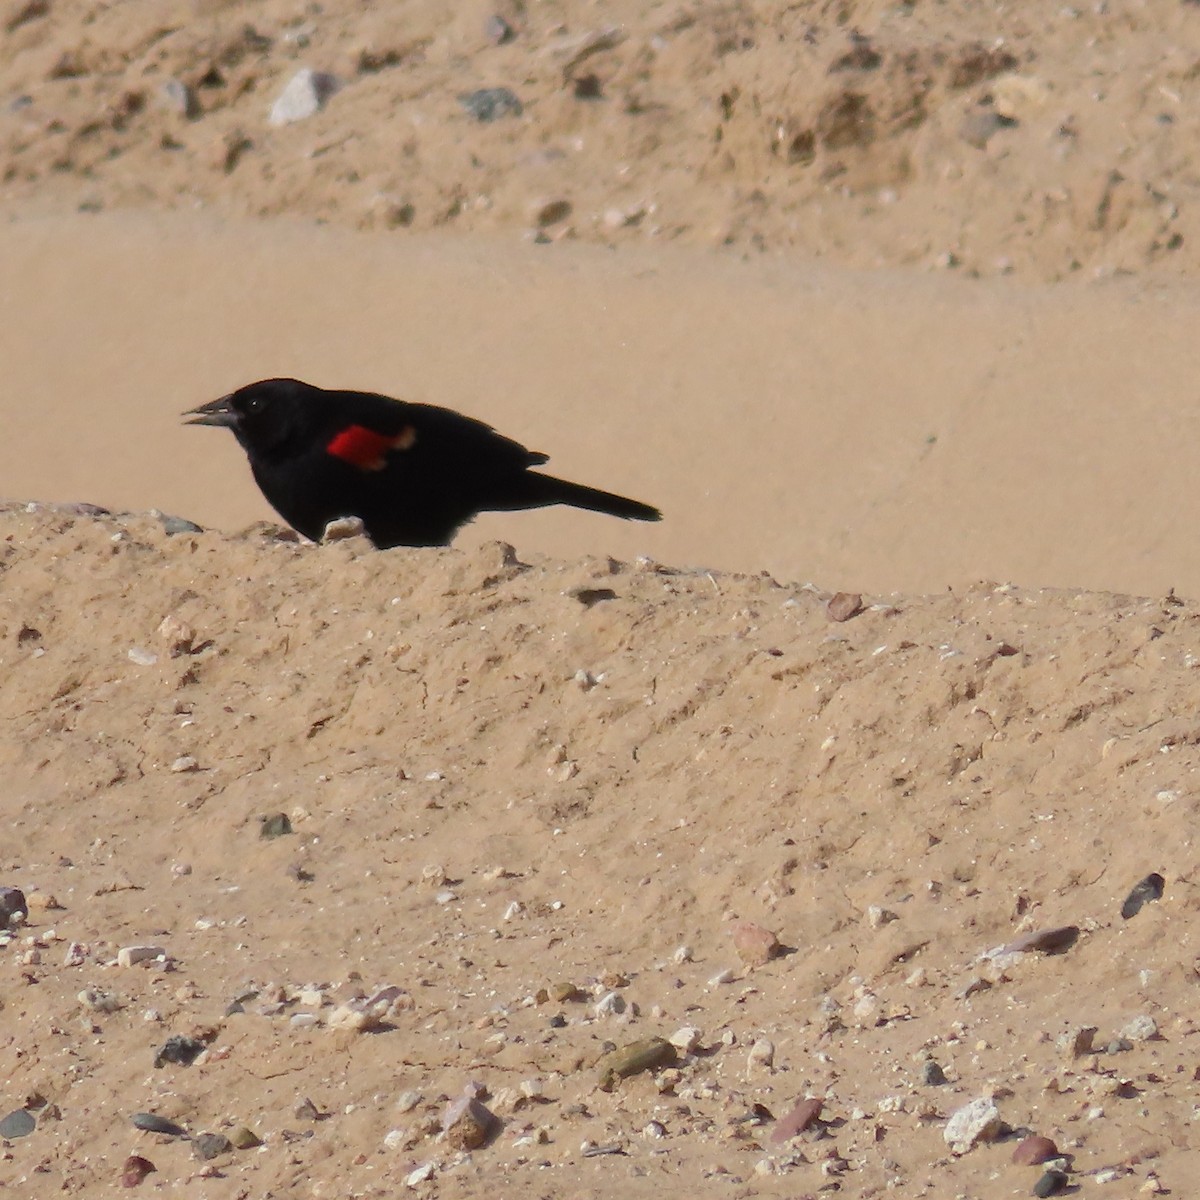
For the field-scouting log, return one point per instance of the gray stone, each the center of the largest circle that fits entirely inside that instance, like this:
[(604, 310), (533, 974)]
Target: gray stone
[(153, 1123), (932, 1074), (489, 104), (17, 1124), (210, 1145)]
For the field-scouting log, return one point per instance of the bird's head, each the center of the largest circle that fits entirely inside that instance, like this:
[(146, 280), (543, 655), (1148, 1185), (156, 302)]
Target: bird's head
[(263, 416)]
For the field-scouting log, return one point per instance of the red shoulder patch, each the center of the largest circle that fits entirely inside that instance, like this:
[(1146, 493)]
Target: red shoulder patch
[(364, 448)]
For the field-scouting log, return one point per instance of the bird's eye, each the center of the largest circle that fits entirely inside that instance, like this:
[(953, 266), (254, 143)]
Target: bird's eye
[(252, 405)]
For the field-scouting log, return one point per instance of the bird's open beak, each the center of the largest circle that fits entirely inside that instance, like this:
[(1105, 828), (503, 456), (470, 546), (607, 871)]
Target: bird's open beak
[(215, 412)]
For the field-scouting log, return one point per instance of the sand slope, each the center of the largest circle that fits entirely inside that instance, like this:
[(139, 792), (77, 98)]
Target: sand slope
[(496, 788)]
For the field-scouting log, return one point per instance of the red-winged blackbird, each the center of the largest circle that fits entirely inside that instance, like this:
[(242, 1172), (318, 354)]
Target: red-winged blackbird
[(412, 473)]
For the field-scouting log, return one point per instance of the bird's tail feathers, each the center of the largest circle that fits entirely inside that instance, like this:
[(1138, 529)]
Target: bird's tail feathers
[(541, 490)]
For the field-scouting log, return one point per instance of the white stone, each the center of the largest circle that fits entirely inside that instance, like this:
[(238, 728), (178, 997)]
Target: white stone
[(130, 956), (762, 1054), (687, 1039), (611, 1004), (421, 1175), (1141, 1029), (305, 94), (978, 1121)]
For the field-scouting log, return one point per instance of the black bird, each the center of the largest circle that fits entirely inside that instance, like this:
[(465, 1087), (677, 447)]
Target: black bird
[(412, 473)]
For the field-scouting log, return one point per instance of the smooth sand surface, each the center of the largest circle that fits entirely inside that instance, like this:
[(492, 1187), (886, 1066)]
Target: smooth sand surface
[(862, 431)]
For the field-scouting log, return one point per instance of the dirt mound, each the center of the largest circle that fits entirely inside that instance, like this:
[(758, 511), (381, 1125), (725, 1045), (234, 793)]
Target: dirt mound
[(394, 824), (1042, 141)]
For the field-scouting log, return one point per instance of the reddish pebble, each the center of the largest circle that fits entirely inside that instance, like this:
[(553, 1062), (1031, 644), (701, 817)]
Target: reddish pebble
[(843, 605), (1034, 1150), (754, 944), (135, 1170), (798, 1120)]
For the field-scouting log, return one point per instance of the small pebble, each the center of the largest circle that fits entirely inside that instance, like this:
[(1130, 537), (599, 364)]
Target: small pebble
[(244, 1138), (210, 1145), (153, 1123), (932, 1074), (611, 1004), (978, 1121), (178, 635), (1142, 1028), (99, 1000), (467, 1122), (176, 525), (754, 944), (407, 1101), (275, 825), (646, 1055), (544, 213), (179, 98), (801, 1116), (489, 104), (1033, 1150), (18, 1124), (130, 956), (843, 605), (14, 908), (1051, 1183), (1048, 941), (1144, 892), (762, 1054), (178, 1049), (134, 1170), (686, 1040), (343, 529), (304, 95), (1077, 1042), (497, 30)]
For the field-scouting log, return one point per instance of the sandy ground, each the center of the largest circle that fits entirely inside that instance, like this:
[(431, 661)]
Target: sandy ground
[(888, 298)]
